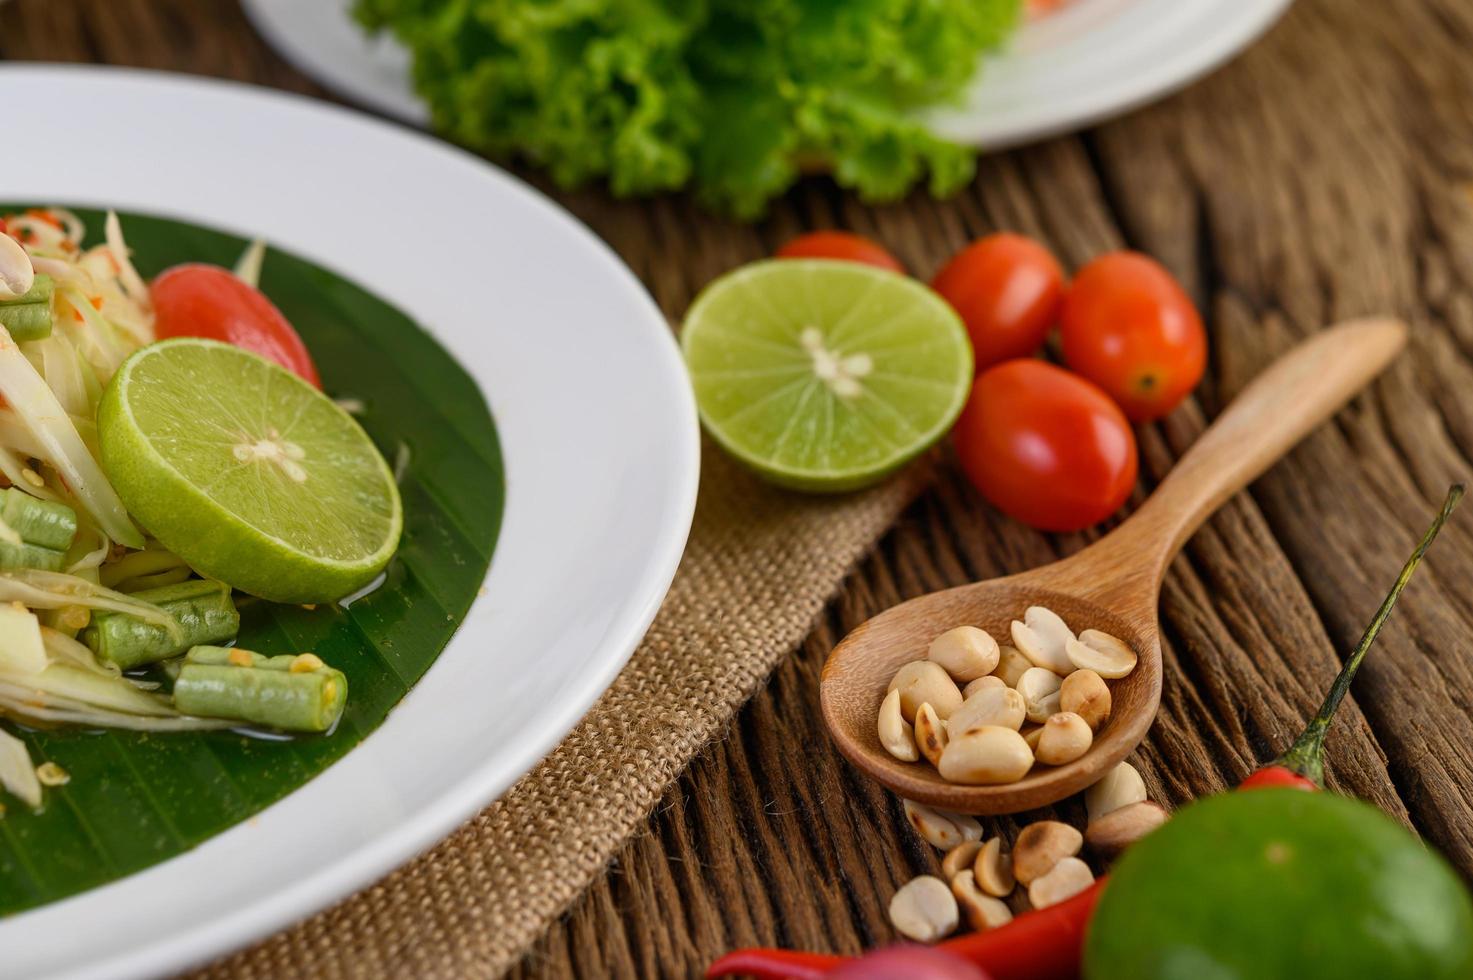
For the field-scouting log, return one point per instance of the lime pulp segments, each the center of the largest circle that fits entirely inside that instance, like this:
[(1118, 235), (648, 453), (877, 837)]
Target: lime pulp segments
[(825, 375), (247, 472)]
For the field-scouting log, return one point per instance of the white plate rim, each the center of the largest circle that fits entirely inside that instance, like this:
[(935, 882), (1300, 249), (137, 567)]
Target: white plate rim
[(1164, 46), (1153, 48), (647, 583)]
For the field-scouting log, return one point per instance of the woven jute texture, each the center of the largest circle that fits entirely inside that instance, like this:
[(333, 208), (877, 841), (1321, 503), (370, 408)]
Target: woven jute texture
[(759, 567)]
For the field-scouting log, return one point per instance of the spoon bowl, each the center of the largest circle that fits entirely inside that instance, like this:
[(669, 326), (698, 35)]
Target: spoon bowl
[(860, 668), (1113, 585)]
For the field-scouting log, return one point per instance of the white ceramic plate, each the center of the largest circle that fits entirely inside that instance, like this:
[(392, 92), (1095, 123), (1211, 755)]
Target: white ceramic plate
[(1088, 61), (596, 422)]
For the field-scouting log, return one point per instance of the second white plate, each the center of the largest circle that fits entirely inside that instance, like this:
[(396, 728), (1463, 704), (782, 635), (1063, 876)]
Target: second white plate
[(1089, 61)]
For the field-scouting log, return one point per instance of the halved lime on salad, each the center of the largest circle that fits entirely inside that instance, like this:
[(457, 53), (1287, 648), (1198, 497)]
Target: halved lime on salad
[(248, 473), (825, 375)]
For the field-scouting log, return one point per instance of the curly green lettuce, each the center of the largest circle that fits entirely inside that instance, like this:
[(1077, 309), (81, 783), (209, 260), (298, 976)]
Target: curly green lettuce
[(733, 98)]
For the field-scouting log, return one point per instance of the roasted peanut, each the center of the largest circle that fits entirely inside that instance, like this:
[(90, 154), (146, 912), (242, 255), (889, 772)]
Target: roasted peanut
[(930, 734), (924, 909), (1120, 828), (1042, 845), (1085, 693), (1065, 737), (1120, 787), (1040, 689), (983, 912), (982, 684), (966, 653), (1065, 880), (960, 858), (993, 868), (1042, 637), (986, 755), (942, 829), (1031, 733), (922, 682), (896, 735), (1001, 706), (1010, 665), (1102, 653)]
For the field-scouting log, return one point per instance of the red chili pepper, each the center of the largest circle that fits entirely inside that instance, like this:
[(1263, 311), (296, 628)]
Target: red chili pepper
[(775, 964), (1045, 944), (1276, 775), (1039, 945)]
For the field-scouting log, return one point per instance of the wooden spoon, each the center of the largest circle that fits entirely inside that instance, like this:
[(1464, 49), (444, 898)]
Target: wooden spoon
[(1113, 585)]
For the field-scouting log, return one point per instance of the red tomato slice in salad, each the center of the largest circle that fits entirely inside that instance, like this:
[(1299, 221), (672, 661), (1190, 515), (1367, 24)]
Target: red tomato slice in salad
[(200, 300)]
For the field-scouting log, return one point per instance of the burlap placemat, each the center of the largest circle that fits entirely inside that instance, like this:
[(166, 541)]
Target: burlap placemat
[(760, 566)]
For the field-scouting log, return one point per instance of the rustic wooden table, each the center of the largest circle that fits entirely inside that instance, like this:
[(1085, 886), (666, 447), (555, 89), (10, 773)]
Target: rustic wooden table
[(1326, 173)]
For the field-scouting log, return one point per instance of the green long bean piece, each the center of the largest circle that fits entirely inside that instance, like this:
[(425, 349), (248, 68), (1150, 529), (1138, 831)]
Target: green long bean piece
[(46, 530), (43, 523), (30, 556), (294, 693), (28, 317), (202, 607)]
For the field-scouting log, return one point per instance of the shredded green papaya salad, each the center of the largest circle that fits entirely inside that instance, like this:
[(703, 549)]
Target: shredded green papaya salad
[(166, 452)]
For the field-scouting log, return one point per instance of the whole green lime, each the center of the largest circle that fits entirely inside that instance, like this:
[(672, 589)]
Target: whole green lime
[(1280, 884)]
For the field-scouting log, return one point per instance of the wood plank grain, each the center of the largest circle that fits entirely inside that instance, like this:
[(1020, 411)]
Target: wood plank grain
[(1328, 172), (1216, 183)]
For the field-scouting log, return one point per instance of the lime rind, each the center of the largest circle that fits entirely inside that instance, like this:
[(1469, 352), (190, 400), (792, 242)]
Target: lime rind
[(761, 400), (247, 472)]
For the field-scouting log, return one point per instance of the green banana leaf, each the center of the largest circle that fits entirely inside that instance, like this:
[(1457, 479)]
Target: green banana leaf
[(137, 799)]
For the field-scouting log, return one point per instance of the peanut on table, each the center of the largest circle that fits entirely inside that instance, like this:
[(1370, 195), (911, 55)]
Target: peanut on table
[(979, 874)]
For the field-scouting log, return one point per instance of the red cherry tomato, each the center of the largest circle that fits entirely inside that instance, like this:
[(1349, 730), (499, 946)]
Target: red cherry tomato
[(198, 300), (1007, 289), (1130, 328), (840, 245), (1045, 446)]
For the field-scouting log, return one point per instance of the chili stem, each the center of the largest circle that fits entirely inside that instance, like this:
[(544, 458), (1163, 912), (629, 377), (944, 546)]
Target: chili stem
[(1306, 755)]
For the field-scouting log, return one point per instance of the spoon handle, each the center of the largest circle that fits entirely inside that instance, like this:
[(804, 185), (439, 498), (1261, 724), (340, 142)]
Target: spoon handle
[(1278, 408)]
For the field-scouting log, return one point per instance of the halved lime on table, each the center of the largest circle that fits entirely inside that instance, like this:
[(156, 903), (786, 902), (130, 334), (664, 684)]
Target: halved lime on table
[(825, 375), (248, 473)]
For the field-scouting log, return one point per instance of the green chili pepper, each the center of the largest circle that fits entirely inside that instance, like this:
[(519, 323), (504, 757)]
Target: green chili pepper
[(28, 317), (295, 693), (202, 607), (45, 528)]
